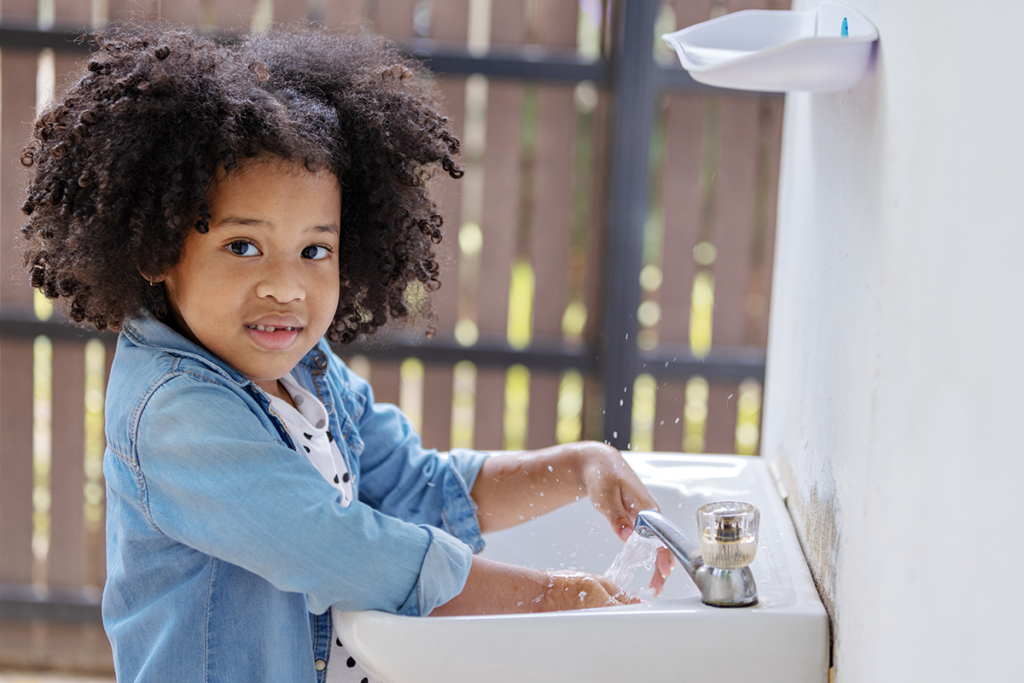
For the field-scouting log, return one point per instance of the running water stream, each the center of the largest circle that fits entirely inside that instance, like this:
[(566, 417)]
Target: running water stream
[(637, 552)]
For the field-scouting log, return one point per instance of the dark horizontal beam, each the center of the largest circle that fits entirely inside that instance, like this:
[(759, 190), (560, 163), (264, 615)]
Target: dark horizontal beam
[(21, 323), (78, 605), (735, 363), (487, 353), (27, 38), (730, 363), (525, 63)]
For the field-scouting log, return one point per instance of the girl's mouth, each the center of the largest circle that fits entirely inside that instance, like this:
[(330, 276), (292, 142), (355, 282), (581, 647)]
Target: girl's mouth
[(270, 328), (273, 338)]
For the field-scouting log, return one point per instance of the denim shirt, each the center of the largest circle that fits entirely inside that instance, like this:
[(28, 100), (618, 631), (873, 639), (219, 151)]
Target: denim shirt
[(226, 548)]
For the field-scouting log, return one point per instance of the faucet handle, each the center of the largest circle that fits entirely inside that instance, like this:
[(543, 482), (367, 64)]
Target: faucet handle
[(728, 534)]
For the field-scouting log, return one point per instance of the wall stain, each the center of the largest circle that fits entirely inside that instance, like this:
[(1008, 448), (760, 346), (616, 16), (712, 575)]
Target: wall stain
[(815, 510)]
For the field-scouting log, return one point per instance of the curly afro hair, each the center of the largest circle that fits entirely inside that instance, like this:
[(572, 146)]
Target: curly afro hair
[(122, 163)]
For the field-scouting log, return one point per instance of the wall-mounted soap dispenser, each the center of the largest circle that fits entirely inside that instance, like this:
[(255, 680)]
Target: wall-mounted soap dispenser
[(821, 50)]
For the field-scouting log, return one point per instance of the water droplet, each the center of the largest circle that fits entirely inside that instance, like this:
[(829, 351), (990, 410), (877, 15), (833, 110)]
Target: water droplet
[(551, 469)]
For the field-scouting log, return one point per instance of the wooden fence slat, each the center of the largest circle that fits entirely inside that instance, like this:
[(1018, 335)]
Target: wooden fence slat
[(764, 243), (446, 192), (689, 12), (437, 407), (386, 380), (347, 13), (489, 415), (96, 570), (66, 562), (286, 11), (55, 645), (18, 94), (16, 483), (501, 206), (542, 416), (119, 11), (669, 418), (734, 216), (593, 277), (72, 13), (498, 223), (449, 21), (19, 12), (680, 193), (235, 14), (183, 11), (552, 220), (681, 207), (394, 18)]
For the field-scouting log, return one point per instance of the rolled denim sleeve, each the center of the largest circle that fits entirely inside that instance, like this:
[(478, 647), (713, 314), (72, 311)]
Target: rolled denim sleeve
[(442, 576), (218, 483), (399, 477)]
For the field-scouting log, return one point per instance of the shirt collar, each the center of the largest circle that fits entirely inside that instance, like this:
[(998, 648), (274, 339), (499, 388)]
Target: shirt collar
[(145, 330)]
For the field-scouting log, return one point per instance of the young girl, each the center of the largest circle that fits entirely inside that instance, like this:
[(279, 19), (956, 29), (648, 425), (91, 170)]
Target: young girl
[(229, 208)]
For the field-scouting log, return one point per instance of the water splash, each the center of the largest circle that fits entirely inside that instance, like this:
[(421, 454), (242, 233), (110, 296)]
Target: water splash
[(636, 553)]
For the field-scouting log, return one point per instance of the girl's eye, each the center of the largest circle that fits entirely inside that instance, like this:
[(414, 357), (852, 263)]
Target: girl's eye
[(316, 252), (242, 248)]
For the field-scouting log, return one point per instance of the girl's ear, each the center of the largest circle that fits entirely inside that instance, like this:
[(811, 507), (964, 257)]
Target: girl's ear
[(152, 279)]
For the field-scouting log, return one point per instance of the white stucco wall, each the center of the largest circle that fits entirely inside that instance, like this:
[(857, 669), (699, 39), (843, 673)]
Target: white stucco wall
[(894, 405)]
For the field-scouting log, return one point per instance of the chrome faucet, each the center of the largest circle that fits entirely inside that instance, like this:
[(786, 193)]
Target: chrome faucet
[(728, 540)]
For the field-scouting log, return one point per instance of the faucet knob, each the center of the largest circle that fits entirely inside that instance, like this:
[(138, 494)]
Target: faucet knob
[(728, 534)]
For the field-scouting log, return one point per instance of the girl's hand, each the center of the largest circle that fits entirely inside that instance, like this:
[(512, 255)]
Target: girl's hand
[(499, 588), (512, 488), (579, 590), (617, 493)]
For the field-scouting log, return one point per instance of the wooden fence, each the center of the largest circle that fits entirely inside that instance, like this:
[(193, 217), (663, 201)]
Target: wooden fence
[(521, 317)]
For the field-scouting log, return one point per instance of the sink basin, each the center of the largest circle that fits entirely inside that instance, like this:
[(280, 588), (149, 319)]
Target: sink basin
[(674, 637)]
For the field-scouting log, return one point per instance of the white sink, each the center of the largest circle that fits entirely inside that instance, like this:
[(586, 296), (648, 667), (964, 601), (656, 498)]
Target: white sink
[(784, 638)]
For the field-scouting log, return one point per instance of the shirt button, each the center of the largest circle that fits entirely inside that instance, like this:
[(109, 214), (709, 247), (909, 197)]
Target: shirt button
[(320, 665)]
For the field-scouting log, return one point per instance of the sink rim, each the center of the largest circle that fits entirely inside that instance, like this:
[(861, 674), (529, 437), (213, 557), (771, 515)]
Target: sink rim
[(794, 635)]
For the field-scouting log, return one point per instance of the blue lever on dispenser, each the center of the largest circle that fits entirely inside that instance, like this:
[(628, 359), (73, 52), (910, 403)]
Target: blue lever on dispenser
[(845, 33)]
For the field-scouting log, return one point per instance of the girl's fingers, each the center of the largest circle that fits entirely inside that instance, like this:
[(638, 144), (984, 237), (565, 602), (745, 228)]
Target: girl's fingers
[(662, 569), (608, 501)]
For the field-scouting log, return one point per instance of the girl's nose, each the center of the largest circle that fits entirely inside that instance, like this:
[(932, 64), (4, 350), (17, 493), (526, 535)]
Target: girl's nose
[(279, 283)]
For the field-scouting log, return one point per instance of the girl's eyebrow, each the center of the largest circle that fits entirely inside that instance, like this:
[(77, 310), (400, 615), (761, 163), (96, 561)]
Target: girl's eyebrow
[(241, 220)]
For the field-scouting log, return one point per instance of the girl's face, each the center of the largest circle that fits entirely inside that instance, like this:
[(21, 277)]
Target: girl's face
[(260, 288)]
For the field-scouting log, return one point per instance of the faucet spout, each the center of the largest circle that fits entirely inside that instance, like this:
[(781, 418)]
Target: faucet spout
[(718, 587)]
